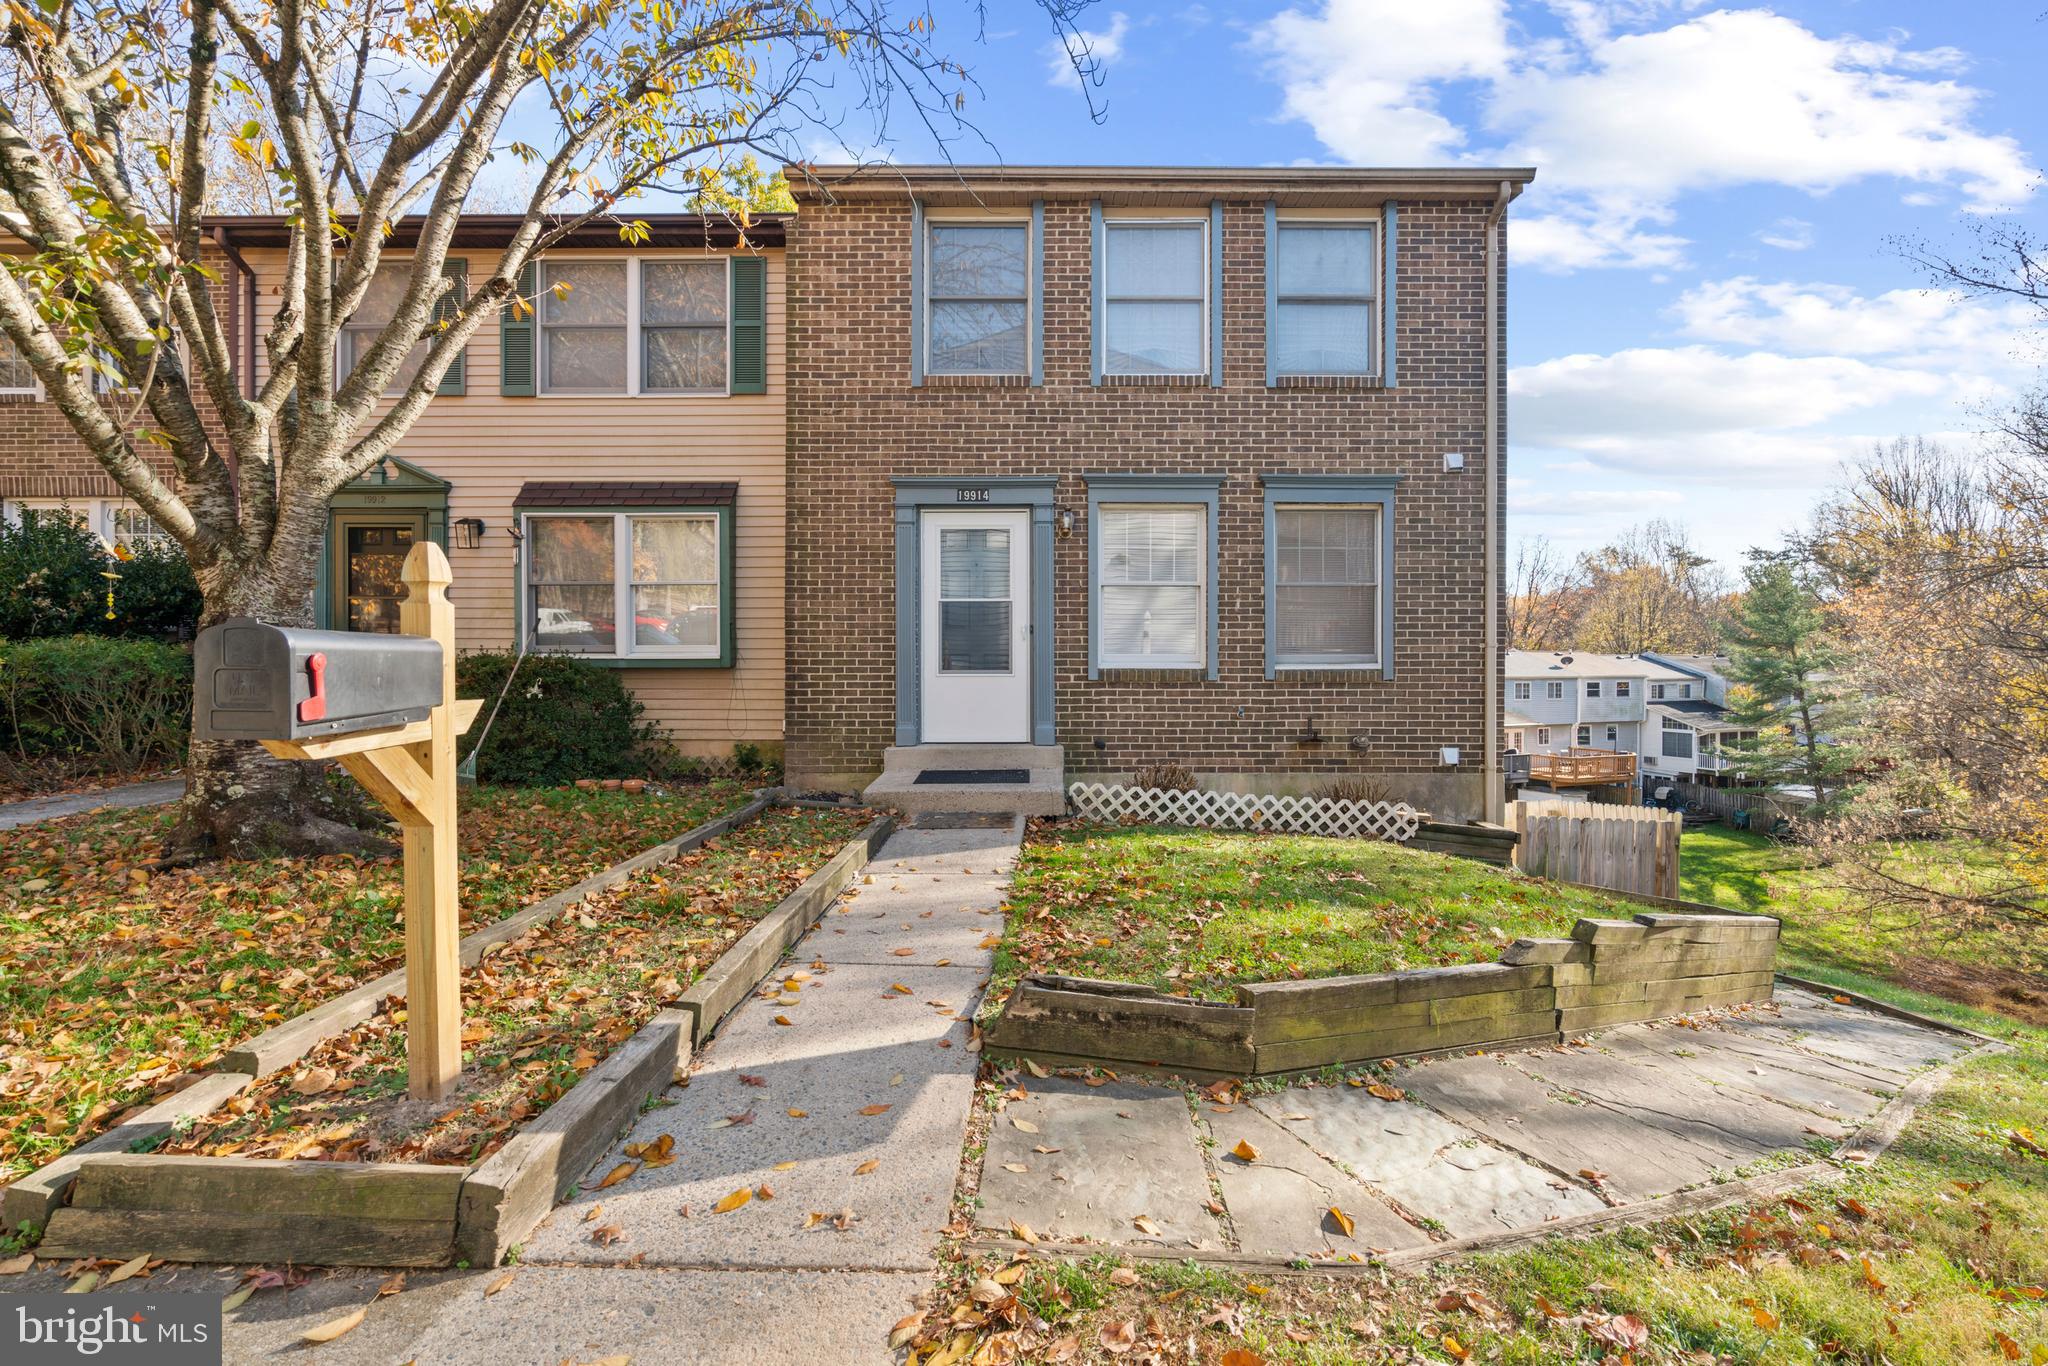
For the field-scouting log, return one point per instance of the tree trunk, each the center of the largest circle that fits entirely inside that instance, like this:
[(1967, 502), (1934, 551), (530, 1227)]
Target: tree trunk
[(241, 803)]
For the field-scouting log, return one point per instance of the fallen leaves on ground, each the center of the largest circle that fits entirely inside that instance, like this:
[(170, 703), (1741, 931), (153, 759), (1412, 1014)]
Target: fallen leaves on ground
[(733, 1201), (334, 1328), (1244, 1151)]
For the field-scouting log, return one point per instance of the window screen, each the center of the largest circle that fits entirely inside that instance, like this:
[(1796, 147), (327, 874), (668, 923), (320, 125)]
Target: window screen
[(977, 289), (1327, 608), (1150, 587), (1323, 296), (1154, 295)]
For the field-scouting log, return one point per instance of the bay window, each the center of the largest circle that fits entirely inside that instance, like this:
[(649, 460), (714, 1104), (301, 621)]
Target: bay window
[(646, 584)]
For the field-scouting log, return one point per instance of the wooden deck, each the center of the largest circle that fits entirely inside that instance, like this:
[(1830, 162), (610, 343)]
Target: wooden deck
[(1582, 768)]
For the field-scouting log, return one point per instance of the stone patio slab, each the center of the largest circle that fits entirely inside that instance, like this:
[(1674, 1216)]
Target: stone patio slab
[(1866, 1037), (1774, 1072), (1125, 1151), (1280, 1202), (1639, 1160), (1431, 1167), (851, 1036)]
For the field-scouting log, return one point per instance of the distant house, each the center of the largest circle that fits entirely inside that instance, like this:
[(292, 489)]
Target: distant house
[(1589, 719)]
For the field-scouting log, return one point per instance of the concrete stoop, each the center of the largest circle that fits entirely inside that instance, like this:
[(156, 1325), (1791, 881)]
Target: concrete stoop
[(898, 787)]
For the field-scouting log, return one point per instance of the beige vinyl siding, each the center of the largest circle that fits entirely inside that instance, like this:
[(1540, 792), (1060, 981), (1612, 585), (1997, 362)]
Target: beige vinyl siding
[(487, 445)]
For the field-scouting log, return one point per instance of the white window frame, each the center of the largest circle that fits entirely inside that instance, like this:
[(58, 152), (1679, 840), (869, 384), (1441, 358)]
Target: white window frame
[(1523, 692), (1592, 687), (1109, 229), (1613, 735), (1514, 739), (1553, 690), (1685, 690), (1542, 735), (1622, 688), (1657, 692), (623, 645), (1382, 600), (1030, 290), (633, 387), (1584, 737), (1371, 300), (1202, 587)]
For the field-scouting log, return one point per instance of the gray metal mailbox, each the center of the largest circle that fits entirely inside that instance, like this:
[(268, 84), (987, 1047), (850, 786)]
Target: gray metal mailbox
[(258, 682)]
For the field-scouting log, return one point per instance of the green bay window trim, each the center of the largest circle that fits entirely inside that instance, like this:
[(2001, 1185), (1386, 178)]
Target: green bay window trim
[(628, 574), (1199, 492), (649, 331), (1374, 493)]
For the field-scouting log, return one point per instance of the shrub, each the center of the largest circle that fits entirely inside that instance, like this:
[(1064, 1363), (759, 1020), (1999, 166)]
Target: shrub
[(1356, 790), (123, 702), (53, 584), (1166, 778), (563, 719)]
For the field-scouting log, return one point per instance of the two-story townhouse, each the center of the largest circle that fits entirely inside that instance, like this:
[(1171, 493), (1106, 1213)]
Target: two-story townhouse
[(605, 470), (1575, 699), (1093, 469), (1688, 723)]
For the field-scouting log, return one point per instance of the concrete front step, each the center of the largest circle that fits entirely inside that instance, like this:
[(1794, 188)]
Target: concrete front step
[(1042, 796), (914, 759)]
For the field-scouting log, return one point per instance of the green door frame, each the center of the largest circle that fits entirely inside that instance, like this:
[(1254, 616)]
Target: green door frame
[(395, 493)]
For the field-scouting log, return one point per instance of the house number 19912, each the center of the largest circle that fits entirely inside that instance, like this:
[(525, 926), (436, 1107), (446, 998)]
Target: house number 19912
[(970, 495)]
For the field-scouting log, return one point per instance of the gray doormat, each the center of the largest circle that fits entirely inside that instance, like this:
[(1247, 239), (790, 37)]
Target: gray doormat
[(982, 776)]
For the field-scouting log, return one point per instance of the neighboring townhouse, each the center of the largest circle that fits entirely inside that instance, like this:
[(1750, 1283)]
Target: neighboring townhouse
[(1094, 469), (1589, 719), (1688, 724), (605, 472)]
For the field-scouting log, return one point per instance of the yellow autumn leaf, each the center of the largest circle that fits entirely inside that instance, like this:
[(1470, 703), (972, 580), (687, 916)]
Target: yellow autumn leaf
[(618, 1174), (1244, 1151), (733, 1201), (1763, 1317), (1020, 1229), (784, 1167), (1023, 1124), (495, 1286), (864, 1168), (1343, 1221), (784, 1020), (1034, 1069), (799, 1114), (127, 1269), (334, 1328)]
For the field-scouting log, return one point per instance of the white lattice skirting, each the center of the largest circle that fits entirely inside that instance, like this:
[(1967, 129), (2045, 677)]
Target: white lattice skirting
[(1246, 811)]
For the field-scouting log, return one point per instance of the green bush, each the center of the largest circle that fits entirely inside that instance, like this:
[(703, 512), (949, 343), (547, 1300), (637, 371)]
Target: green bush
[(53, 583), (563, 719), (124, 703)]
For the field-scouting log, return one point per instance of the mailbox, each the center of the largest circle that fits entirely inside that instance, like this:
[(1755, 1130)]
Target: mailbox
[(258, 682)]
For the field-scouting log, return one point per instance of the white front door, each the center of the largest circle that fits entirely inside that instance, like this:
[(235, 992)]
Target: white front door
[(975, 625)]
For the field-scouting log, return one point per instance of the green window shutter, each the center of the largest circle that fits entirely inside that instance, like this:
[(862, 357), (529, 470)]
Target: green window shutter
[(454, 380), (516, 342), (749, 325)]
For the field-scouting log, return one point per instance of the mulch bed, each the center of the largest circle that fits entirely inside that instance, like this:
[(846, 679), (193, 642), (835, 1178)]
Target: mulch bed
[(538, 1012), (118, 976)]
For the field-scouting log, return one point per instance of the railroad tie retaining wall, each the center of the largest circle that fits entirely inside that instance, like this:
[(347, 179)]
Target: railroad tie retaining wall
[(1609, 972)]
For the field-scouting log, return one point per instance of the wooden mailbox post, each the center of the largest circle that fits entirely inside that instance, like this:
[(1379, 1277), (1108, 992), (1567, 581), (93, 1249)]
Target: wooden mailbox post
[(411, 770)]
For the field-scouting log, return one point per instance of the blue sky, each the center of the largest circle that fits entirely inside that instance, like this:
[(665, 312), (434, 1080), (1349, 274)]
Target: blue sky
[(1707, 309)]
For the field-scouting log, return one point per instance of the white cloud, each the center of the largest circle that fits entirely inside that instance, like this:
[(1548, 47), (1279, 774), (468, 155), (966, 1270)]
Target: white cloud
[(1621, 124), (1606, 505), (1697, 413), (1787, 234), (1922, 327), (1096, 49)]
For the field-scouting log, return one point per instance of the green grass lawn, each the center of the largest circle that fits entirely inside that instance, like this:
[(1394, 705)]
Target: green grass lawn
[(1197, 912)]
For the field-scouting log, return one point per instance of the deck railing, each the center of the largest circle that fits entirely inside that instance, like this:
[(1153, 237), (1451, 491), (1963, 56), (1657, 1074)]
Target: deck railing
[(1582, 768)]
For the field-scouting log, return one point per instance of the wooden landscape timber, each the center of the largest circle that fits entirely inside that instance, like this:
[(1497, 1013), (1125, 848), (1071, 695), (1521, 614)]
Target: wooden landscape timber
[(319, 1213), (1657, 965)]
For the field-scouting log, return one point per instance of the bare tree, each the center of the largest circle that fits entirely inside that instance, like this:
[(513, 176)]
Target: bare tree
[(1546, 594), (117, 118), (1650, 589)]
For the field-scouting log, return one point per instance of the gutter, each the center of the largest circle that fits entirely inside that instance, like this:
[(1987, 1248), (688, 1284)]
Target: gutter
[(1492, 678), (246, 335)]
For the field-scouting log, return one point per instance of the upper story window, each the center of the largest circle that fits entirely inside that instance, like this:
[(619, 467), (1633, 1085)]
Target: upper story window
[(634, 326), (1592, 687), (978, 294), (1554, 689), (1523, 692), (1324, 300), (1656, 692), (1621, 687), (1685, 690), (372, 316), (1156, 297), (15, 375)]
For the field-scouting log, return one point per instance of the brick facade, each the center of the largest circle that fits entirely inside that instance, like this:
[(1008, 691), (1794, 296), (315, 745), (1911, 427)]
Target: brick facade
[(856, 421)]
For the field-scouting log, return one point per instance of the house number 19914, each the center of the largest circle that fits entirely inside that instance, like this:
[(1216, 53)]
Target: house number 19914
[(970, 495)]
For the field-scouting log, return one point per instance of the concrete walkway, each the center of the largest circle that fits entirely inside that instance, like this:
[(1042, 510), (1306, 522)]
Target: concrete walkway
[(1479, 1145), (14, 815), (848, 1195)]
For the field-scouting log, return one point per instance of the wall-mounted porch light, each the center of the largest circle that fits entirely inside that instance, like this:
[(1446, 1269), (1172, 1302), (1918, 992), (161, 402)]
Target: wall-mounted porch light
[(469, 532), (1065, 523)]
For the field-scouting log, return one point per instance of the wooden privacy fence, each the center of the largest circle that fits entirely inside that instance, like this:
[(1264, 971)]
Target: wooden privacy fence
[(1630, 849), (1763, 807)]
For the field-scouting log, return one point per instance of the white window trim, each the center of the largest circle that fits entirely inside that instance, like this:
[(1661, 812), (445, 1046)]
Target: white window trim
[(1553, 691), (1592, 687), (633, 366), (1524, 692), (623, 646), (1030, 289), (1109, 227), (1613, 735), (1200, 659), (1370, 300), (1542, 735), (1381, 599), (1656, 692), (1622, 688)]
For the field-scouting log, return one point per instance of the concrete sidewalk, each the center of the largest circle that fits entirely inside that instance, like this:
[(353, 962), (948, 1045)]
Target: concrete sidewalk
[(878, 999), (1478, 1145), (14, 815)]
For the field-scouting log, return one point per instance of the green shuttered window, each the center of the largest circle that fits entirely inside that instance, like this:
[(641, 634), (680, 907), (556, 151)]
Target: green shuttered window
[(746, 360), (749, 325)]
